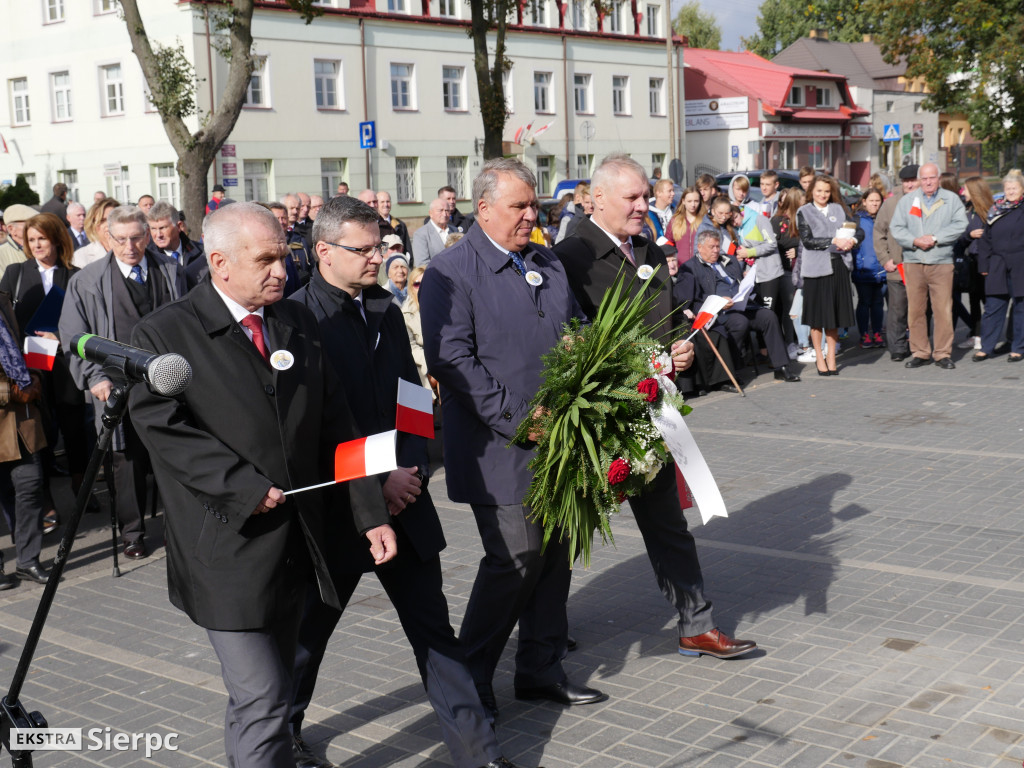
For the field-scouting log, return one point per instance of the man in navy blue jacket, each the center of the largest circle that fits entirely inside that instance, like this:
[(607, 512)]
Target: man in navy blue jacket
[(491, 306)]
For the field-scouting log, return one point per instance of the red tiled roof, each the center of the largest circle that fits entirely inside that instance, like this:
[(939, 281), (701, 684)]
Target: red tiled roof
[(759, 78)]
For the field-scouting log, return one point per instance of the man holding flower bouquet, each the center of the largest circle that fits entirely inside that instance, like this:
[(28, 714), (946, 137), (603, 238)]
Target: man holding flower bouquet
[(593, 258), (491, 306)]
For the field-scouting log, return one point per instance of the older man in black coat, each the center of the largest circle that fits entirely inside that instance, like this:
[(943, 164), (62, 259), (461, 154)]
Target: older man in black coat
[(365, 338), (239, 554)]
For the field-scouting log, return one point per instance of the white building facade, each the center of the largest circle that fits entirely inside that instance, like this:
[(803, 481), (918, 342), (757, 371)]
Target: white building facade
[(76, 109)]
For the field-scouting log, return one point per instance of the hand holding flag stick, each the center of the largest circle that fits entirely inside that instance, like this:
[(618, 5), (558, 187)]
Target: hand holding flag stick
[(708, 312)]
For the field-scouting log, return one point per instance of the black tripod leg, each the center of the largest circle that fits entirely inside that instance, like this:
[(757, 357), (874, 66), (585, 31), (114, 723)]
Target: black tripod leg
[(108, 468)]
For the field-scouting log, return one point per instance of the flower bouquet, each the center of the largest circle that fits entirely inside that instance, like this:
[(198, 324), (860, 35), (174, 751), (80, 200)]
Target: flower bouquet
[(601, 386)]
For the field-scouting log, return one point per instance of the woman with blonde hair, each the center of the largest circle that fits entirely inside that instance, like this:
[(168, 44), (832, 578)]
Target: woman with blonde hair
[(411, 315), (96, 230), (1001, 262), (682, 229)]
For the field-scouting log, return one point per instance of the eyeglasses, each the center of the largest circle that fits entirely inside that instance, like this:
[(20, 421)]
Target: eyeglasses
[(366, 253), (134, 239)]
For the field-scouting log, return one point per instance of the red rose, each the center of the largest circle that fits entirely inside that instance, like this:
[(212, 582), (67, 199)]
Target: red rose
[(618, 471), (649, 389)]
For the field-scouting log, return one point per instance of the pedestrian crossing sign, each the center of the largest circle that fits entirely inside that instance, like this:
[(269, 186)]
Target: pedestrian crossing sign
[(891, 132)]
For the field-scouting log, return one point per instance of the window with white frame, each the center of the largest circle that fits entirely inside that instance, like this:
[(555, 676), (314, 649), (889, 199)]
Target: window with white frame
[(53, 11), (327, 83), (112, 87), (30, 179), (332, 173), (122, 186), (20, 113), (258, 92), (658, 161), (447, 9), (824, 97), (796, 96), (539, 13), (654, 20), (104, 6), (70, 180), (579, 15), (583, 165), (457, 176), (166, 178), (508, 90), (257, 179), (452, 80), (402, 93), (545, 173), (787, 154), (396, 6), (543, 100), (581, 94), (615, 16), (655, 95), (405, 179), (819, 154), (620, 94), (60, 96)]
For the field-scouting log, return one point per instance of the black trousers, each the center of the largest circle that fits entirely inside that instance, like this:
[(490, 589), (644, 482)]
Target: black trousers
[(673, 552), (777, 295), (129, 483), (739, 325), (415, 589)]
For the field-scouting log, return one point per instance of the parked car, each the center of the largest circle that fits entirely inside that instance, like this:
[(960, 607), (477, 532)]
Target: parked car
[(787, 179)]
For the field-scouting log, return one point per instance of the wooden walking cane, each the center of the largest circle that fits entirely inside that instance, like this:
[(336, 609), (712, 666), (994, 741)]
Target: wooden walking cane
[(726, 367)]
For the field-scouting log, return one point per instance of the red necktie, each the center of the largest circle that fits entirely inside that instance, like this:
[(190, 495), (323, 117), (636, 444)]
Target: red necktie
[(255, 325)]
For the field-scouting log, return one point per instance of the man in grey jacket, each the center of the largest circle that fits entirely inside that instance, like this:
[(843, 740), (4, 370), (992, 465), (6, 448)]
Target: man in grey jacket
[(108, 298), (890, 256), (926, 225)]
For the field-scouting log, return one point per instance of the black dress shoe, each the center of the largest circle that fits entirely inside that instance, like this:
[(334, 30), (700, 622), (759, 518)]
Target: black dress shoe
[(947, 363), (783, 374), (7, 581), (565, 692), (728, 388), (487, 700), (917, 362), (304, 757), (135, 550), (502, 762), (898, 357), (35, 573), (570, 643)]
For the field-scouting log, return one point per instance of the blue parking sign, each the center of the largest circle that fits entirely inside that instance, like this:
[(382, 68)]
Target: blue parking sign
[(367, 135)]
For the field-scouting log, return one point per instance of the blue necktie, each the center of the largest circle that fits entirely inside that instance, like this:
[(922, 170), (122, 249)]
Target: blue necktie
[(517, 260), (176, 256), (136, 275)]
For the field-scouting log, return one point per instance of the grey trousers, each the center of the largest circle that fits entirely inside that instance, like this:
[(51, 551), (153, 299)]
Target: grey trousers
[(516, 583), (26, 477), (896, 318), (257, 671)]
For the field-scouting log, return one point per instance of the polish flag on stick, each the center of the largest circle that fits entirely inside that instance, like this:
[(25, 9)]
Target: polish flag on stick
[(40, 353), (903, 277), (366, 456), (710, 309), (542, 129), (415, 412), (915, 207)]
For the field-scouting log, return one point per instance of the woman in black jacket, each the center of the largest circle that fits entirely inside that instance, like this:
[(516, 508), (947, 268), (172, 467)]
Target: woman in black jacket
[(49, 248), (1001, 261)]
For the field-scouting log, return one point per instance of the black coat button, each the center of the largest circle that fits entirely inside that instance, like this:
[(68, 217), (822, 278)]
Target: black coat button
[(507, 415), (268, 389), (540, 313)]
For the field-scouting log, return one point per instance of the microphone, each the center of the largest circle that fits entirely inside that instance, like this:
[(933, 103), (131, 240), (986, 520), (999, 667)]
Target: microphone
[(168, 374)]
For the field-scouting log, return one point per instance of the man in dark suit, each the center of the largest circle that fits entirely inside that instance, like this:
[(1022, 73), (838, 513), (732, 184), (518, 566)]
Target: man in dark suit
[(365, 338), (602, 247), (714, 274), (108, 298), (491, 306), (239, 555), (57, 204), (167, 238), (76, 224)]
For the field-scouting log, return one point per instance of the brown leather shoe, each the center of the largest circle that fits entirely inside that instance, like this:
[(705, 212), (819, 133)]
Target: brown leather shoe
[(715, 643)]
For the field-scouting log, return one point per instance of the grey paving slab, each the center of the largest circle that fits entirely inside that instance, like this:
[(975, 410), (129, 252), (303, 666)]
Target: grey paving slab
[(874, 549)]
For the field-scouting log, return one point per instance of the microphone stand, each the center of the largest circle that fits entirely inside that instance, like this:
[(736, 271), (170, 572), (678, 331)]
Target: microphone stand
[(12, 713)]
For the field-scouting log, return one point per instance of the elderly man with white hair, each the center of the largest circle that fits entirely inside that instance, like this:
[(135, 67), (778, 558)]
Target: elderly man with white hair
[(76, 224)]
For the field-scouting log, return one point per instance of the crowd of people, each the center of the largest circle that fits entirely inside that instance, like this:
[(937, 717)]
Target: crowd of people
[(466, 305)]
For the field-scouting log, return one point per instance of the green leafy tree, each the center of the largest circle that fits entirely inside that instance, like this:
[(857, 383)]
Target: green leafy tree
[(969, 53), (701, 28), (780, 23), (172, 84), (21, 192)]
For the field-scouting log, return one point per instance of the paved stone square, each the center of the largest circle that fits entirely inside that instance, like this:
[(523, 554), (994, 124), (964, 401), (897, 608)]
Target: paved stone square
[(874, 549)]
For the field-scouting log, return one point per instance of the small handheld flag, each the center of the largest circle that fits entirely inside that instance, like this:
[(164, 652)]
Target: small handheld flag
[(366, 456), (415, 411), (40, 353), (708, 311), (915, 207), (903, 277)]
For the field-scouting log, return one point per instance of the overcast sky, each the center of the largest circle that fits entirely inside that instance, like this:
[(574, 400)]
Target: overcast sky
[(736, 18)]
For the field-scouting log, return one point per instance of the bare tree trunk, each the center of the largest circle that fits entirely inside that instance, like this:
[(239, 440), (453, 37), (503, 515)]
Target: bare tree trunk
[(489, 79)]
